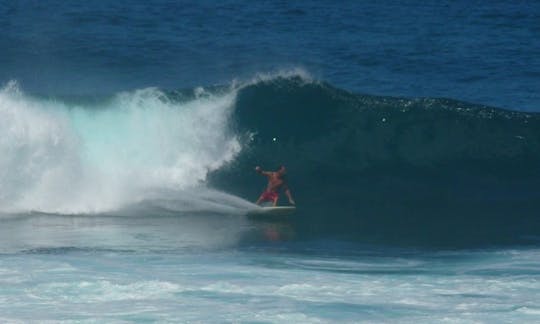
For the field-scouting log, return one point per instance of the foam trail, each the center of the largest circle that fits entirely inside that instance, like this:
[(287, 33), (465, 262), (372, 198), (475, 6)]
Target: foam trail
[(62, 158), (193, 200)]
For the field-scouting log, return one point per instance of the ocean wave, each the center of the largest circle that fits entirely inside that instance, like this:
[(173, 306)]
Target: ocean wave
[(390, 169), (360, 166)]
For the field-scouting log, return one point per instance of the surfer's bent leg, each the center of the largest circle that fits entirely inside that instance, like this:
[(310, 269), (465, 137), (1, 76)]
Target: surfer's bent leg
[(276, 197), (258, 202)]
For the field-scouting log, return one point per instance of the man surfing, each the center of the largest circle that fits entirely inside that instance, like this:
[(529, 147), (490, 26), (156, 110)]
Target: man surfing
[(276, 182)]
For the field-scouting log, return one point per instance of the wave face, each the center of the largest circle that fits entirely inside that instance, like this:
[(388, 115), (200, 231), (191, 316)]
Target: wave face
[(391, 169), (99, 155)]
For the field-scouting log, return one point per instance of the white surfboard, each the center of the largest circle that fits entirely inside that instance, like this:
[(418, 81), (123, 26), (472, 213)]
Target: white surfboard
[(271, 212)]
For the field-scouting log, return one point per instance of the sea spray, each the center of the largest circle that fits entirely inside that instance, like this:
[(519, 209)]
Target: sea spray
[(79, 158)]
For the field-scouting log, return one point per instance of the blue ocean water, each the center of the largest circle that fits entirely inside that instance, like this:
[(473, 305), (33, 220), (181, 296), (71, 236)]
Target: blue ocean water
[(479, 52), (129, 131)]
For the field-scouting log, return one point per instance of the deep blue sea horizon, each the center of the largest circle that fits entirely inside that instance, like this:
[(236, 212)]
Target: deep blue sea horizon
[(480, 52)]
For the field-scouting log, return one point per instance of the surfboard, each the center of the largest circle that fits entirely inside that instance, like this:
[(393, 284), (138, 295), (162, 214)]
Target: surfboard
[(271, 212)]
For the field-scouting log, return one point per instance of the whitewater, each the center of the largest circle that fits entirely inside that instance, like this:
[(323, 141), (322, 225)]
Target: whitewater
[(75, 159)]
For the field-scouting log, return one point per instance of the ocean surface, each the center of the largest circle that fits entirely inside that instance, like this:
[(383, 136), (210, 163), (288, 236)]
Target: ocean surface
[(129, 133)]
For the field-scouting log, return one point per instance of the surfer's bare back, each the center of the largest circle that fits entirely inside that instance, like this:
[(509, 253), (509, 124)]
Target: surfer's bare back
[(276, 182)]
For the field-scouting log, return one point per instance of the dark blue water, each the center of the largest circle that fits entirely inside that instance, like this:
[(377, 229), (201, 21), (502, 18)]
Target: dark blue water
[(129, 131), (474, 51)]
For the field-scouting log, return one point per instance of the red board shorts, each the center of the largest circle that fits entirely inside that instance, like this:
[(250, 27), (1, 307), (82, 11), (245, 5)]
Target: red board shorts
[(269, 196)]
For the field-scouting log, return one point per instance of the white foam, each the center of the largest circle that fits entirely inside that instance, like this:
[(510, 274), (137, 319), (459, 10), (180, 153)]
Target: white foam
[(61, 158), (105, 291), (529, 310), (303, 75)]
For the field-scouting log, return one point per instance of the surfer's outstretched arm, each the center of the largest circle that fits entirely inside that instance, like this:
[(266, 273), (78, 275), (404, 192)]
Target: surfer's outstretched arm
[(260, 171)]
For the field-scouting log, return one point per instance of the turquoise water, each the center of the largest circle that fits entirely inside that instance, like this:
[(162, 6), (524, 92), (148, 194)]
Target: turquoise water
[(122, 269)]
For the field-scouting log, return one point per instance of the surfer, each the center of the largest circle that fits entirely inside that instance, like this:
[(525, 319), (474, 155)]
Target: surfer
[(276, 182)]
